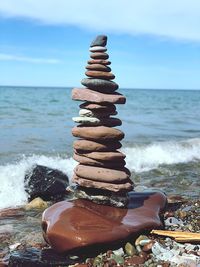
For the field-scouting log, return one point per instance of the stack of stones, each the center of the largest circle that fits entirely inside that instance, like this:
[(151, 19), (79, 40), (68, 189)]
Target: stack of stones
[(101, 170)]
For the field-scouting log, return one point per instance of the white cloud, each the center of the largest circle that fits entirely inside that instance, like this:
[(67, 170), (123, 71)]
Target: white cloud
[(10, 57), (177, 19)]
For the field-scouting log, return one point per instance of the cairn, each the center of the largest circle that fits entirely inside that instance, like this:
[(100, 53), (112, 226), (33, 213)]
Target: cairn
[(101, 166)]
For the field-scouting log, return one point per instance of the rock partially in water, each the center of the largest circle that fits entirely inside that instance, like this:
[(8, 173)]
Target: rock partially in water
[(82, 223), (46, 183)]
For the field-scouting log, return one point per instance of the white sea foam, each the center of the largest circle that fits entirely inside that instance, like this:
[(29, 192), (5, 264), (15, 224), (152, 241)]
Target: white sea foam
[(12, 191), (146, 157), (139, 158)]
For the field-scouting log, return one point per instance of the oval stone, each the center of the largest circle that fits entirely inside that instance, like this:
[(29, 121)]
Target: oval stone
[(102, 174), (99, 61), (99, 163), (98, 133), (99, 55), (98, 67), (86, 145), (100, 85), (100, 75), (106, 156)]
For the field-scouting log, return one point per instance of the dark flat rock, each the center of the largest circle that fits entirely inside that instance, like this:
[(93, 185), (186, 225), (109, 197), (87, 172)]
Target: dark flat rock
[(100, 40), (100, 75), (100, 85), (98, 107), (99, 61), (82, 223), (99, 55), (99, 67)]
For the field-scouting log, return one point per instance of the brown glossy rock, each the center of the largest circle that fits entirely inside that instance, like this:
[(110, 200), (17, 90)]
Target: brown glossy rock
[(102, 174), (99, 163), (81, 223), (100, 75), (135, 260), (124, 187), (84, 94), (98, 107), (98, 67), (98, 133), (106, 156), (86, 145), (99, 61), (99, 55)]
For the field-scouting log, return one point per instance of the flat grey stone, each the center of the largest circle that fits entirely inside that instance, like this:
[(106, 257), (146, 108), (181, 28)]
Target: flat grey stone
[(100, 85), (98, 49), (86, 120)]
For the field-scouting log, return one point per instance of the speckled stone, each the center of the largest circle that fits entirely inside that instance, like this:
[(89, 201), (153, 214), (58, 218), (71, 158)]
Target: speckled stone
[(86, 145), (100, 75), (102, 174), (99, 61), (84, 94), (86, 120), (109, 122), (96, 113), (98, 133), (100, 85), (100, 40)]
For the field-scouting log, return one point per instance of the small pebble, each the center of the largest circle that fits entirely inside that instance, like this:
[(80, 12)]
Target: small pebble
[(130, 249)]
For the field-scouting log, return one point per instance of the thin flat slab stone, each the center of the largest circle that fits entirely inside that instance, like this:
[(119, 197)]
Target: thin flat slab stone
[(98, 133), (86, 145), (98, 67), (98, 49), (107, 156), (99, 55), (82, 223), (100, 75), (102, 174), (99, 163), (100, 85), (112, 187), (98, 107), (99, 61), (100, 40), (84, 94)]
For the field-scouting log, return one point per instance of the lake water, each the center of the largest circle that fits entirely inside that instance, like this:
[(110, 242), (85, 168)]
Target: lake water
[(162, 137)]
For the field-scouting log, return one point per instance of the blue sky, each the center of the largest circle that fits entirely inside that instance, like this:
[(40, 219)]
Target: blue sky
[(152, 44)]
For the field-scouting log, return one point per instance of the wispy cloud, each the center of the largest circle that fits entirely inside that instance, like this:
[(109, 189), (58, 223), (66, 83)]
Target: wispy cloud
[(177, 19), (10, 57)]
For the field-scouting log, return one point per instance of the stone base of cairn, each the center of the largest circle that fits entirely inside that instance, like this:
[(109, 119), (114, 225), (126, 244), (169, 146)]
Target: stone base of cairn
[(101, 165)]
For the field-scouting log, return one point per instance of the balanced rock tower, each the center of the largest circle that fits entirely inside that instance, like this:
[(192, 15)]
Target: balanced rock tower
[(101, 164)]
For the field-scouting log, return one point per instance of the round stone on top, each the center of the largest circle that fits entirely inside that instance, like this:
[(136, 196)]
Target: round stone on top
[(98, 49)]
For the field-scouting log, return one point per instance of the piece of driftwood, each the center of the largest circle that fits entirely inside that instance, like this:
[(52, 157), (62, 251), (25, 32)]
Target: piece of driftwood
[(178, 235)]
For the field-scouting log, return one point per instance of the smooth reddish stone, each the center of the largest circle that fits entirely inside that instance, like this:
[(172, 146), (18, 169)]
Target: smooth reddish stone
[(100, 75), (81, 223), (86, 145), (115, 155), (99, 55), (85, 94), (98, 133), (102, 174), (135, 260), (99, 67), (126, 186), (99, 163), (98, 107), (99, 61)]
